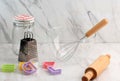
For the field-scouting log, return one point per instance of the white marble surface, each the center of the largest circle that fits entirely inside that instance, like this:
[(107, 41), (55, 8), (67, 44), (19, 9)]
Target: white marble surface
[(72, 70), (66, 19)]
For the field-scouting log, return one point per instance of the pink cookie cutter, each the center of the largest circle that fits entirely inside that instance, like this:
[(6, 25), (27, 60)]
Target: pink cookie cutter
[(48, 64)]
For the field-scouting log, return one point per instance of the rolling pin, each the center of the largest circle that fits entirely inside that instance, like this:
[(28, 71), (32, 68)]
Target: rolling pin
[(96, 68)]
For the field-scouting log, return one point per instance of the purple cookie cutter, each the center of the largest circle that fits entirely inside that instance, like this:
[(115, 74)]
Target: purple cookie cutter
[(53, 71), (29, 68)]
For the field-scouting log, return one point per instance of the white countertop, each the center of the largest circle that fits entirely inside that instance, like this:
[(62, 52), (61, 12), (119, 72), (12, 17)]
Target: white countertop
[(72, 70)]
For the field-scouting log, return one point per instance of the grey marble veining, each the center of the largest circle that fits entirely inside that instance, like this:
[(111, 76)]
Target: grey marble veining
[(67, 20)]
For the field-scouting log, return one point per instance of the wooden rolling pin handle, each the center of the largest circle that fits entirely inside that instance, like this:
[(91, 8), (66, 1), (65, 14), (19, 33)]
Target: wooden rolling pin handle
[(97, 27), (88, 76)]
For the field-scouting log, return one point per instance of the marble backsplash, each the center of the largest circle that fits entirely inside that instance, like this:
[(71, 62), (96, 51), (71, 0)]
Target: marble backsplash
[(65, 20)]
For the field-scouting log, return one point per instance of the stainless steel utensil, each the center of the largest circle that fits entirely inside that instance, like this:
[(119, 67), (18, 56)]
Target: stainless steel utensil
[(67, 51)]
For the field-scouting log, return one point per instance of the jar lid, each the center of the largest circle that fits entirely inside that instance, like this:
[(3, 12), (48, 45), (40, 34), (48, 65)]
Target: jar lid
[(24, 17)]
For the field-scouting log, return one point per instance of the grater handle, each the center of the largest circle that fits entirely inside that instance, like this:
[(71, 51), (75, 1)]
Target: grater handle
[(28, 34)]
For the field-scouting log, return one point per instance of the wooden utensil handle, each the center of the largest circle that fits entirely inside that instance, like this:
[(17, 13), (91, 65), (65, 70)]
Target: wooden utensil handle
[(97, 27)]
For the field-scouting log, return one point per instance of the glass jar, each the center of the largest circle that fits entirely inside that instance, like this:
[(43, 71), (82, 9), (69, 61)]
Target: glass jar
[(22, 24)]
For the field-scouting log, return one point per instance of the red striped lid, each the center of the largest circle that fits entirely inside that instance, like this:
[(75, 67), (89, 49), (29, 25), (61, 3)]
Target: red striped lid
[(24, 17)]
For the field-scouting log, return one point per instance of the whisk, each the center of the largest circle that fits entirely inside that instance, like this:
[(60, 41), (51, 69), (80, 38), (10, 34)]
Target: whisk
[(67, 51)]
